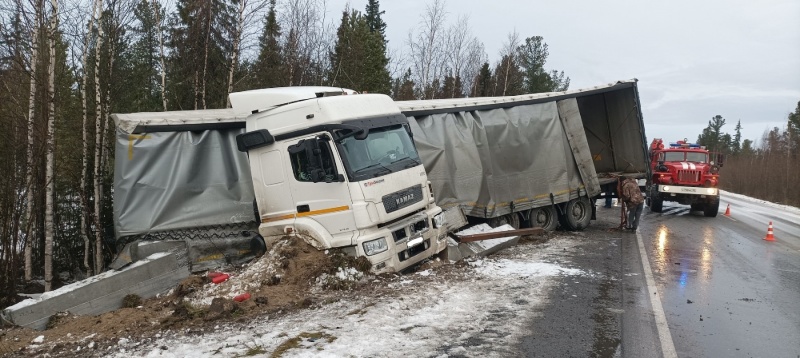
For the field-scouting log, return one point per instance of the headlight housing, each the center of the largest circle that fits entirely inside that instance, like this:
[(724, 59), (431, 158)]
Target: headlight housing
[(438, 220), (376, 246), (665, 188), (711, 191)]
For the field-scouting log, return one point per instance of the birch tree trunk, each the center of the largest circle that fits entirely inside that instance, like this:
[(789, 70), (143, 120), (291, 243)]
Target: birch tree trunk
[(49, 178), (157, 9), (98, 127), (237, 36), (29, 172), (205, 55), (84, 194)]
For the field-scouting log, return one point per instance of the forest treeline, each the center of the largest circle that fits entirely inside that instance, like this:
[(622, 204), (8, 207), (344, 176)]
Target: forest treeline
[(66, 65), (769, 171)]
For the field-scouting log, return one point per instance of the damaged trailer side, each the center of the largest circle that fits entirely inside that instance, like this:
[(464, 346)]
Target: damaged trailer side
[(179, 177), (531, 160)]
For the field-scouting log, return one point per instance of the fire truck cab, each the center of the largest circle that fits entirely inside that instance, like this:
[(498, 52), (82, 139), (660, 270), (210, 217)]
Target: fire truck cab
[(685, 173)]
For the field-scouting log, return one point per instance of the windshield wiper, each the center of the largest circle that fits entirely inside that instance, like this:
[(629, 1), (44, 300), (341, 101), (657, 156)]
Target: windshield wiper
[(416, 161), (373, 166)]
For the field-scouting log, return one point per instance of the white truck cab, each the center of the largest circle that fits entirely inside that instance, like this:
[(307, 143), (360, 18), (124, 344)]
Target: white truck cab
[(339, 170)]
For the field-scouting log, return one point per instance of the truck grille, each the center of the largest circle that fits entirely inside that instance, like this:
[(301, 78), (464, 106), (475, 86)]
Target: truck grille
[(401, 199), (688, 176)]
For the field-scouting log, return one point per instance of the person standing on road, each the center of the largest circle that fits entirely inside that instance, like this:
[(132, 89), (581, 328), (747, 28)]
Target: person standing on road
[(634, 202)]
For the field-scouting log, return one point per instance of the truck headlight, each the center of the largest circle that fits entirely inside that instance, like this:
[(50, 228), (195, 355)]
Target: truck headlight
[(711, 191), (376, 246), (665, 188), (438, 220)]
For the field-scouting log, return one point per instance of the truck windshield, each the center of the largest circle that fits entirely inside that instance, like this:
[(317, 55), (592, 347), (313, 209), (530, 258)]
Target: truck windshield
[(696, 157), (686, 157), (385, 150)]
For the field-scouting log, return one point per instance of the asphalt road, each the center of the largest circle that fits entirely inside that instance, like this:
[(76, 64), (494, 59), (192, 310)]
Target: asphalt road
[(725, 290), (715, 288)]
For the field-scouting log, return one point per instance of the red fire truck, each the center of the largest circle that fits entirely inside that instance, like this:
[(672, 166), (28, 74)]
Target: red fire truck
[(685, 173)]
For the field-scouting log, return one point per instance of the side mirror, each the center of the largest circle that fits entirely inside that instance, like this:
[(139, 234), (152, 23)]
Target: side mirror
[(362, 134)]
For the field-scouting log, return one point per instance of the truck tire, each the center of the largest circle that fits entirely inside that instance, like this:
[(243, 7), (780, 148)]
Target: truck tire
[(577, 214), (711, 208), (655, 203), (544, 217), (510, 219), (697, 207)]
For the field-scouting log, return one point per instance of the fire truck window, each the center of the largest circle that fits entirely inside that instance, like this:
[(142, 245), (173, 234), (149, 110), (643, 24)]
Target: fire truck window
[(696, 157), (673, 156)]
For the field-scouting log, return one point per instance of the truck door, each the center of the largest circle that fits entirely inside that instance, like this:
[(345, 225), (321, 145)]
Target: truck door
[(319, 188)]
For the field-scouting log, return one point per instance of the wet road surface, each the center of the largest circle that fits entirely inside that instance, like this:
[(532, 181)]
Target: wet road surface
[(724, 291)]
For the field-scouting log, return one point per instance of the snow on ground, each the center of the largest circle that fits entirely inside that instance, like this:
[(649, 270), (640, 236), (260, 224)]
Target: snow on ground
[(479, 311), (784, 208)]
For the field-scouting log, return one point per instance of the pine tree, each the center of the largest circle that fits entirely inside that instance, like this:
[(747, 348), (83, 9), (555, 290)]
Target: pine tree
[(359, 57), (509, 80), (532, 57), (374, 20), (483, 83), (200, 41), (267, 68), (144, 92)]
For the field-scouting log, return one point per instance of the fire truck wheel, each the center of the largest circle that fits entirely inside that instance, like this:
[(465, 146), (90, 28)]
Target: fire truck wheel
[(544, 217), (656, 205), (711, 209), (577, 214)]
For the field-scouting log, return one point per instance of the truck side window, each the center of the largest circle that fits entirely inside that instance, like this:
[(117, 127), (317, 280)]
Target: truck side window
[(310, 158)]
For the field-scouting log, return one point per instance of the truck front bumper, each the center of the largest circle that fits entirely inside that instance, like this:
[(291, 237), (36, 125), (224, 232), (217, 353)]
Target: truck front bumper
[(674, 190), (407, 245)]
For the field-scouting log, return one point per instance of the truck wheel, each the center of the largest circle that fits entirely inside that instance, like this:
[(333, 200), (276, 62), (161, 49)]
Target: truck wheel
[(544, 217), (577, 214), (510, 219), (711, 209), (656, 205)]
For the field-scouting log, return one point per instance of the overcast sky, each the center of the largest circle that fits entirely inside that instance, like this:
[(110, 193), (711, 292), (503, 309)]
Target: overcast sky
[(694, 59)]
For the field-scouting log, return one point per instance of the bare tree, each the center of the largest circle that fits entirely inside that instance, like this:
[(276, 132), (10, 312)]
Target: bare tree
[(84, 195), (426, 52), (247, 12), (29, 182), (508, 53), (98, 147), (464, 53), (50, 169), (162, 57), (305, 41)]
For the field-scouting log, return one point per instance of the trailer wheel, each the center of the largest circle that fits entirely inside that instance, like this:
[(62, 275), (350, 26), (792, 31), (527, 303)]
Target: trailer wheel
[(711, 208), (544, 217), (577, 214), (510, 219)]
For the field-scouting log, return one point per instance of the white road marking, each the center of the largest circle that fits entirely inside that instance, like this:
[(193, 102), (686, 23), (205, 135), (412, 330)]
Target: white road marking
[(667, 345)]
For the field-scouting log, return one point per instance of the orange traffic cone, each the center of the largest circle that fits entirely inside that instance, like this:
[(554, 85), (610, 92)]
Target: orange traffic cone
[(769, 237), (728, 210)]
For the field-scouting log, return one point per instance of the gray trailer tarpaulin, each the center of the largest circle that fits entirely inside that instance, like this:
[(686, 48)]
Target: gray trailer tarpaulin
[(493, 161), (180, 170)]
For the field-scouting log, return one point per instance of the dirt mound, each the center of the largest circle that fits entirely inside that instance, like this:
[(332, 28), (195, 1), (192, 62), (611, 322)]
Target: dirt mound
[(291, 275)]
